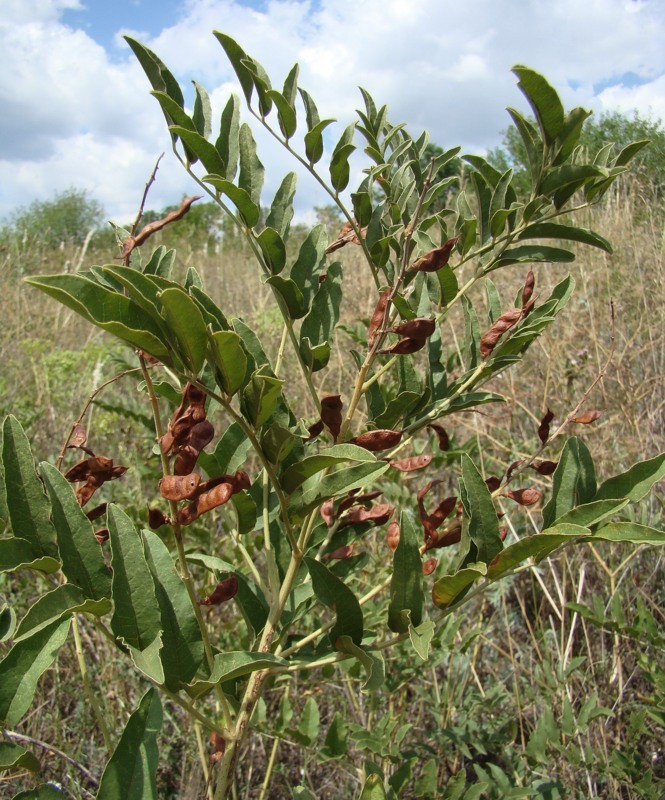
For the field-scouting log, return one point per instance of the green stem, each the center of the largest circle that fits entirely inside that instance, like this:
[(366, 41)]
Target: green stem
[(87, 687)]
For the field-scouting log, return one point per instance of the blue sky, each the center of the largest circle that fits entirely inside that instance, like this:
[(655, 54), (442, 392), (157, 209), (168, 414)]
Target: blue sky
[(75, 109)]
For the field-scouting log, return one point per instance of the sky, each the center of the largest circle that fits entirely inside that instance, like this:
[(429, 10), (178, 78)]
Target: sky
[(75, 108)]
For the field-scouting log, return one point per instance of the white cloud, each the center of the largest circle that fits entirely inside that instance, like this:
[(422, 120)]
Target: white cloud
[(72, 115)]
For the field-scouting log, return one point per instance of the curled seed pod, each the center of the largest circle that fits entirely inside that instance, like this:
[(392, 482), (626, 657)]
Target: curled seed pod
[(545, 467), (205, 502), (435, 259), (340, 554), (85, 492), (156, 518), (441, 435), (588, 417), (544, 427), (504, 323), (503, 532), (201, 435), (315, 429), (380, 439), (241, 480), (525, 497), (331, 413), (224, 591), (378, 514), (412, 463), (445, 539), (419, 328), (392, 535), (185, 461), (179, 487), (404, 347), (493, 483), (78, 437), (327, 512), (527, 291), (96, 512), (218, 745), (102, 535), (430, 565), (378, 316)]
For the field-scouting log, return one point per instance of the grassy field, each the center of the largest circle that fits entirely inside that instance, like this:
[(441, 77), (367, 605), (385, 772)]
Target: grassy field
[(551, 686)]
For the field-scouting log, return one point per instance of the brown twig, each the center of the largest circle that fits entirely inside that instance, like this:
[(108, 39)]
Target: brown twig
[(151, 180), (19, 737)]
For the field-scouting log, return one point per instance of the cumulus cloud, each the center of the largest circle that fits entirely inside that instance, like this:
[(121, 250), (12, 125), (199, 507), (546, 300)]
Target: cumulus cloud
[(75, 115)]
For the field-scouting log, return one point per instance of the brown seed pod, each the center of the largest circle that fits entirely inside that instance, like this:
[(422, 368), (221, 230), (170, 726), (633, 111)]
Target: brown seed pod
[(224, 591), (205, 502), (378, 316), (156, 518), (441, 435), (445, 539), (326, 511), (331, 413), (412, 463), (544, 427), (392, 535), (380, 439), (435, 259), (504, 323), (96, 512), (419, 328), (527, 291), (404, 347), (179, 487), (102, 535), (545, 467), (525, 497), (378, 514), (430, 565), (588, 417), (341, 554)]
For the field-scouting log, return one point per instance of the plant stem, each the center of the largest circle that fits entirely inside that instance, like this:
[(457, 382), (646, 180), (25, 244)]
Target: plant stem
[(87, 688)]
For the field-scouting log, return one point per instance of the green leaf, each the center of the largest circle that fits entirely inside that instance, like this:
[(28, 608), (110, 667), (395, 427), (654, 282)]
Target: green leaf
[(136, 615), (23, 666), (234, 664), (110, 311), (335, 745), (318, 326), (533, 253), (61, 602), (314, 141), (204, 150), (237, 56), (471, 334), (571, 176), (260, 398), (339, 167), (246, 512), (629, 532), (449, 587), (532, 143), (158, 74), (202, 116), (634, 484), (629, 152), (290, 294), (479, 508), (297, 473), (229, 454), (274, 250), (182, 651), (27, 505), (13, 756), (311, 256), (315, 490), (573, 482), (7, 622), (335, 594), (82, 559), (307, 731), (227, 142), (228, 356), (212, 314), (590, 514), (131, 772), (173, 111), (186, 321), (543, 100), (16, 554), (406, 585), (160, 263), (249, 210), (539, 545), (421, 638), (555, 230), (288, 121), (373, 788), (372, 662), (281, 211), (252, 171)]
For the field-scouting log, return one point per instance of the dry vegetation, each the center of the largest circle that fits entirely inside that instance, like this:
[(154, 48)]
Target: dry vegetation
[(521, 656)]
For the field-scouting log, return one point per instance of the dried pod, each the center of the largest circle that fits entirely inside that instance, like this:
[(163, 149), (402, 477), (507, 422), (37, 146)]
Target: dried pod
[(404, 347), (202, 434), (342, 553), (413, 463), (78, 437), (419, 328), (85, 492), (512, 468), (504, 323), (378, 316), (179, 487), (346, 235), (185, 461), (435, 259), (327, 512), (441, 435), (241, 480), (545, 467), (525, 497), (205, 502), (315, 429), (152, 227), (224, 591), (453, 535), (544, 427), (96, 512), (588, 417), (527, 291), (392, 535), (102, 535), (95, 465), (156, 518), (430, 565), (218, 744), (492, 483), (378, 514), (380, 439), (331, 413)]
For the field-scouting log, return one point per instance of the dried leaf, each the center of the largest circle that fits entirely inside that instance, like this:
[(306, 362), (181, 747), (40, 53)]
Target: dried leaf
[(331, 413), (588, 417), (504, 323), (392, 535), (442, 436), (224, 591), (413, 463), (430, 565), (376, 323), (132, 242), (435, 259), (525, 497), (544, 427), (179, 487), (380, 439)]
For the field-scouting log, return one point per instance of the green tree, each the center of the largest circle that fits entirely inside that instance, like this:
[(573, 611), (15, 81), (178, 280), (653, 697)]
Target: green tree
[(68, 218)]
